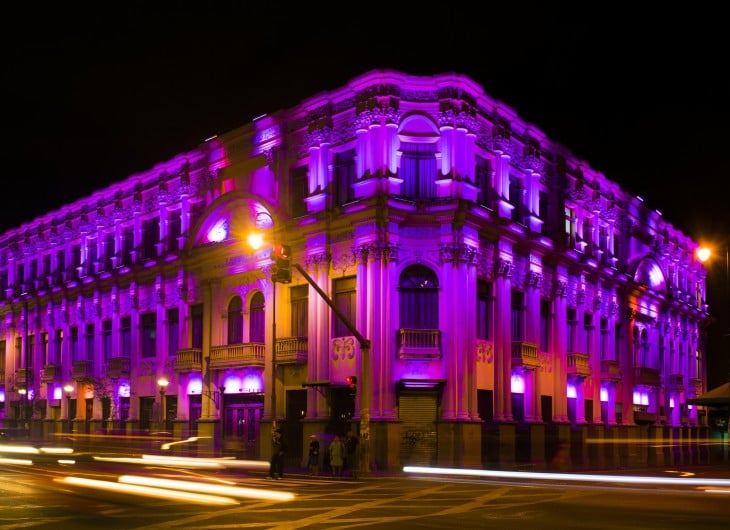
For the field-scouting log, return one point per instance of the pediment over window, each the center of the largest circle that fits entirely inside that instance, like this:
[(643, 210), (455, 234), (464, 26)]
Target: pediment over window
[(231, 219)]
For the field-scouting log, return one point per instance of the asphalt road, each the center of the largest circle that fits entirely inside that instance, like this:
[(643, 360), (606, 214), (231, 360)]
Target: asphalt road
[(39, 496)]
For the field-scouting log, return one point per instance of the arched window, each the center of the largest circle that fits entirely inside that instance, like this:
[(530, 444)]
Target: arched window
[(257, 323), (235, 321), (419, 303)]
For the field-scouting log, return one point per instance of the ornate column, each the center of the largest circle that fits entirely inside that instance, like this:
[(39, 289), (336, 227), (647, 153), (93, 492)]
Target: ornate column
[(503, 335), (560, 359), (317, 263), (533, 284)]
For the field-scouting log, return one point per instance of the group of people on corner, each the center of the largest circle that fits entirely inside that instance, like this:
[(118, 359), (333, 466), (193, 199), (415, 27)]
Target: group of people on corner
[(341, 455)]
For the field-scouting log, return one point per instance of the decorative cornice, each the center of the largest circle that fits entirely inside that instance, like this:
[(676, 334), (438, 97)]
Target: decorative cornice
[(534, 279), (459, 253), (560, 288)]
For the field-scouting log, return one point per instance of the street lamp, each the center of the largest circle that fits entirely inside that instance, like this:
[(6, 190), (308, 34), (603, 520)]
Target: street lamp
[(704, 254), (23, 405), (68, 389), (162, 382)]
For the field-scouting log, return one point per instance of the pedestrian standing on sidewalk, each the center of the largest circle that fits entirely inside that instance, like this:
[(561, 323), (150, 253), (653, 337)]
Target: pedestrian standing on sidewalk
[(313, 455), (278, 451), (337, 455), (352, 454)]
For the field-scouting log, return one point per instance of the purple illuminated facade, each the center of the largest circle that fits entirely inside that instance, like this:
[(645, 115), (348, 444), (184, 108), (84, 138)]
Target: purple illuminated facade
[(509, 295)]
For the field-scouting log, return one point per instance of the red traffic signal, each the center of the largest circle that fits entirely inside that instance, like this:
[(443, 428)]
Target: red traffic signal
[(351, 381), (281, 268)]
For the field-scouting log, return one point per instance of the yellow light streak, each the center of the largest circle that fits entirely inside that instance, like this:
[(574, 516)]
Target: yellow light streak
[(232, 491)]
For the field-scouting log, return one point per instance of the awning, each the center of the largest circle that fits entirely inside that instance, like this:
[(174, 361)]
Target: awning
[(716, 397)]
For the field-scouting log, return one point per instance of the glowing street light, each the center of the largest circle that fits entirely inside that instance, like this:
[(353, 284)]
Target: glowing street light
[(162, 382)]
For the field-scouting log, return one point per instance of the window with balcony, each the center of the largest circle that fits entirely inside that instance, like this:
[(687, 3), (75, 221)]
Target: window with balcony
[(235, 321), (299, 310), (516, 198), (571, 331), (90, 259), (604, 338), (148, 329), (418, 290), (517, 316), (127, 246), (345, 300), (257, 316), (196, 326)]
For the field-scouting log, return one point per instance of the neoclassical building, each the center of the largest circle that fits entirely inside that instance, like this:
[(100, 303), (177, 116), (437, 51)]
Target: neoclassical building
[(491, 293)]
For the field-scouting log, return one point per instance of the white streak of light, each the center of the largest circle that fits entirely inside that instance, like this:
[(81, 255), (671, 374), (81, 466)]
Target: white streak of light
[(65, 461), (191, 462), (145, 491), (57, 450), (225, 461), (25, 449), (20, 462), (569, 476), (233, 491)]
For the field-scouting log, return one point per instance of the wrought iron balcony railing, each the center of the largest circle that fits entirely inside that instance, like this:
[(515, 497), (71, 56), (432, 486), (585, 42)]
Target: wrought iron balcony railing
[(189, 360), (579, 365), (524, 354), (291, 350), (232, 355), (419, 343)]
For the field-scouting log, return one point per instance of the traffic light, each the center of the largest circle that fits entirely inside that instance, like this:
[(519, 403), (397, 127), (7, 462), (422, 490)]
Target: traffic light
[(351, 385), (281, 268)]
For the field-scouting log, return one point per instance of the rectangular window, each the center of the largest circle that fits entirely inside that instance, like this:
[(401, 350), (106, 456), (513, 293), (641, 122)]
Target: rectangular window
[(3, 350), (151, 236), (300, 311), (148, 329), (109, 251), (571, 322), (517, 316), (74, 268), (543, 213), (299, 191), (174, 230), (483, 181), (90, 259), (106, 332), (89, 339), (344, 177), (127, 246), (588, 328), (173, 331), (484, 316), (126, 336), (74, 343), (18, 351), (47, 355), (545, 325), (418, 170), (345, 301), (516, 199), (57, 346), (196, 328), (31, 347), (604, 338)]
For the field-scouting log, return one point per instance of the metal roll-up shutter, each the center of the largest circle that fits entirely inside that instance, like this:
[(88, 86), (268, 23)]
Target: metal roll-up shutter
[(418, 413)]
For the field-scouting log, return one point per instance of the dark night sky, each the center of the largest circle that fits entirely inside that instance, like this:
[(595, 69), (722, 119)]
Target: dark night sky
[(91, 97)]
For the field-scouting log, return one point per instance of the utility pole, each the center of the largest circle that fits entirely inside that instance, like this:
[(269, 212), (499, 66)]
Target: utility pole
[(365, 372)]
